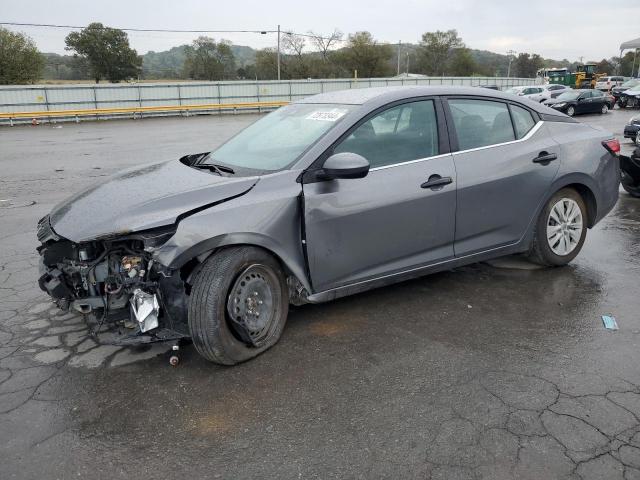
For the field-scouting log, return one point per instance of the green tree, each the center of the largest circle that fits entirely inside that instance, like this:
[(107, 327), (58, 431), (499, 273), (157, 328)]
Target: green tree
[(20, 60), (364, 54), (462, 63), (526, 65), (435, 51), (266, 66), (208, 60), (106, 51)]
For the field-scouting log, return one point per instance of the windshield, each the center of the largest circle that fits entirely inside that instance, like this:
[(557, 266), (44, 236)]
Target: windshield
[(568, 96), (630, 83), (277, 140)]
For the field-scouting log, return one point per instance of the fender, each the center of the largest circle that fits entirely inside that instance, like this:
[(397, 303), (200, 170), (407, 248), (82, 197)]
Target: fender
[(293, 265)]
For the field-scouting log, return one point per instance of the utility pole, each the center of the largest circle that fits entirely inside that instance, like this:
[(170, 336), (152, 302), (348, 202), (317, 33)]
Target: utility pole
[(399, 46), (278, 52), (407, 64), (511, 53)]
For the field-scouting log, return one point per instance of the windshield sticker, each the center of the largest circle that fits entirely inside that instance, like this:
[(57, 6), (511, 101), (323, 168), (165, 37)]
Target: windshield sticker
[(327, 115)]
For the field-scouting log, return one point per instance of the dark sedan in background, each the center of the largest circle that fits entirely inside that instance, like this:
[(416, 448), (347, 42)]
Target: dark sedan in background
[(582, 101), (632, 129)]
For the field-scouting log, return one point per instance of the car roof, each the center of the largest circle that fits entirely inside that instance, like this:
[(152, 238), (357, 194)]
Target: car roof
[(374, 96)]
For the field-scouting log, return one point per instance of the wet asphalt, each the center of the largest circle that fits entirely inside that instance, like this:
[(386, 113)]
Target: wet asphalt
[(493, 371)]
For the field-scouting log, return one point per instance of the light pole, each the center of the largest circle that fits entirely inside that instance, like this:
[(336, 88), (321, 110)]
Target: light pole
[(399, 44), (278, 52), (511, 53)]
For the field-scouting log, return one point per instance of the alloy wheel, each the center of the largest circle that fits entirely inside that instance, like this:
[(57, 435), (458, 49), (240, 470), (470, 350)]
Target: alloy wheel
[(571, 111), (564, 226), (605, 109)]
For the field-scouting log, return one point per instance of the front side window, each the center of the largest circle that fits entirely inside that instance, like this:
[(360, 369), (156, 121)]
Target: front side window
[(406, 132), (481, 122), (277, 140), (522, 120)]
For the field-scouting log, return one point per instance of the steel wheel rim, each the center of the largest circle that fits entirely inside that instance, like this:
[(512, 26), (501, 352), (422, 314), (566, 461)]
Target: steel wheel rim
[(564, 227), (251, 304)]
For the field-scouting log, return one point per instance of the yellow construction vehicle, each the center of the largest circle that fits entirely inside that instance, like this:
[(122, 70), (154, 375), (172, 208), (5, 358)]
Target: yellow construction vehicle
[(586, 76)]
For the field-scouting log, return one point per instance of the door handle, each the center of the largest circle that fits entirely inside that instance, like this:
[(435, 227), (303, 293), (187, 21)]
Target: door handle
[(545, 157), (436, 181)]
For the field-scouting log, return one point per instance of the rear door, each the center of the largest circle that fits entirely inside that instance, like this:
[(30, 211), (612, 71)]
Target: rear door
[(391, 220), (501, 178)]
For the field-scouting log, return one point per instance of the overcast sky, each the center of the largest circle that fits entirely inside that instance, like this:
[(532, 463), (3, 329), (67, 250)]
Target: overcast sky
[(592, 29)]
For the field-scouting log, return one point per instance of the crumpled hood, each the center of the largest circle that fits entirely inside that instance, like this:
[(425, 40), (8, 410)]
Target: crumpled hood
[(141, 198)]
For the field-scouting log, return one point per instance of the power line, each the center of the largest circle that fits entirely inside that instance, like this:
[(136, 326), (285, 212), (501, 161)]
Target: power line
[(162, 30)]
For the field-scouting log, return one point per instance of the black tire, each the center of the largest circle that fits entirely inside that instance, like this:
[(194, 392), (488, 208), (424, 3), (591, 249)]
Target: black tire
[(571, 111), (215, 336), (632, 190), (540, 252)]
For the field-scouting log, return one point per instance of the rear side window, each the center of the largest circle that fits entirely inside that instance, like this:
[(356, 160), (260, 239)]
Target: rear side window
[(406, 132), (597, 93), (522, 120), (481, 122)]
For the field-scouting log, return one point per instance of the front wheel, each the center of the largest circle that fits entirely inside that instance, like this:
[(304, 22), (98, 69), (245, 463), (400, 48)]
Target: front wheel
[(571, 111), (560, 230), (238, 305)]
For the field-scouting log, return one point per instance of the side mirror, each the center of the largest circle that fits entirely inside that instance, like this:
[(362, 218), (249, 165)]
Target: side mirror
[(344, 165)]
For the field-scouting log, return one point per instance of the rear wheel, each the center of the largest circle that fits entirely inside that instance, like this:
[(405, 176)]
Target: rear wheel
[(571, 111), (238, 305), (604, 109), (560, 230)]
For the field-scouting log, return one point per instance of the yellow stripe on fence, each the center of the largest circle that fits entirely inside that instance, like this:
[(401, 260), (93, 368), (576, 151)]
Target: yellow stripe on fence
[(133, 110)]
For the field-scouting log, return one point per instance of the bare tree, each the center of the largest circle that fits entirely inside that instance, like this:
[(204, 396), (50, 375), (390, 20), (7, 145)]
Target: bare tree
[(293, 45), (324, 43)]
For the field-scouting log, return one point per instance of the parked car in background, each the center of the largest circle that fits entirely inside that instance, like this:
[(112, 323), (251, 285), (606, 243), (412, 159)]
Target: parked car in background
[(532, 92), (539, 93), (632, 129), (554, 90), (630, 98), (617, 91), (334, 194), (607, 83), (581, 101), (630, 172)]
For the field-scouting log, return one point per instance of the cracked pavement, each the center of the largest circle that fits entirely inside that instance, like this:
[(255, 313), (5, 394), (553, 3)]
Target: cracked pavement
[(492, 371)]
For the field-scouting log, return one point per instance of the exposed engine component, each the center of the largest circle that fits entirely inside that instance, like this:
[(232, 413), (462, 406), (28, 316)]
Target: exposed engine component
[(114, 278)]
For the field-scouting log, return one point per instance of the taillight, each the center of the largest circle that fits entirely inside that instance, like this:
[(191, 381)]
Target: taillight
[(612, 145)]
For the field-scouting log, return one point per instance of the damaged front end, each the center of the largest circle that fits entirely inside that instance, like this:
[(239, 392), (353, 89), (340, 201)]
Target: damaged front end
[(115, 283)]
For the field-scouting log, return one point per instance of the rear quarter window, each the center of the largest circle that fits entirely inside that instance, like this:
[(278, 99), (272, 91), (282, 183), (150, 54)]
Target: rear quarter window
[(522, 120)]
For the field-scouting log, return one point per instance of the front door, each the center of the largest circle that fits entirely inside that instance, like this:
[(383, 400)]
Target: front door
[(501, 176), (393, 219)]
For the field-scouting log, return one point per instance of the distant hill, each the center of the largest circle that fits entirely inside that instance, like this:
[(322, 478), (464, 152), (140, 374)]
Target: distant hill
[(168, 64)]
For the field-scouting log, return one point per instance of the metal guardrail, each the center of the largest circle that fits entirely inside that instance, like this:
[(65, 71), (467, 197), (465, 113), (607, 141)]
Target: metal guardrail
[(21, 103), (108, 112)]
